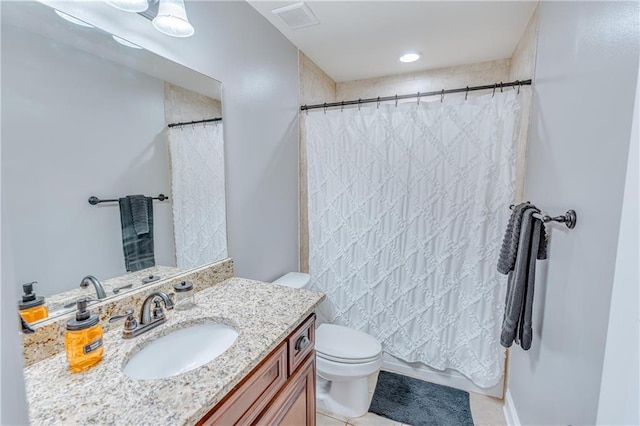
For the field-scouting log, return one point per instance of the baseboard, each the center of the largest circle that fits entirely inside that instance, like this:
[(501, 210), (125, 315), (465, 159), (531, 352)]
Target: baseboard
[(510, 413), (449, 378)]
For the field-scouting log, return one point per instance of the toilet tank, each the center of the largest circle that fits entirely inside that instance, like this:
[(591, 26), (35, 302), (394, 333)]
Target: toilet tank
[(294, 280)]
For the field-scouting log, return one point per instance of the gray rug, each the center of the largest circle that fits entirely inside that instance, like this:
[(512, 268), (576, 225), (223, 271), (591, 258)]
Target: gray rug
[(412, 401)]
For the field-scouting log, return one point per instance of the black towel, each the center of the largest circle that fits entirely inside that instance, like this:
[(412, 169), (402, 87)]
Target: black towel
[(140, 213), (138, 248), (509, 249), (531, 245)]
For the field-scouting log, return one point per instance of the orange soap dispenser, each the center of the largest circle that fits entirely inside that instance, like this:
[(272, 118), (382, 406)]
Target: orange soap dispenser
[(83, 341), (32, 307)]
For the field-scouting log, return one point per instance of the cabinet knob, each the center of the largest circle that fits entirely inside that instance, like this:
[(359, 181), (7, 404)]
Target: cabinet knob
[(302, 343)]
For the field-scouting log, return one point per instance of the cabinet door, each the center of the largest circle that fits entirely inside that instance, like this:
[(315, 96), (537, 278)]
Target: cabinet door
[(295, 404), (243, 404)]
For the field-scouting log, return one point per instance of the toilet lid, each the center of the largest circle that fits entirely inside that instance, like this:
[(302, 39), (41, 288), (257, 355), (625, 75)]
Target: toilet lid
[(338, 343)]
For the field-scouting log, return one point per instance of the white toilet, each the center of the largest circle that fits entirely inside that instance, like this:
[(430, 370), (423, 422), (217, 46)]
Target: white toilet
[(345, 358)]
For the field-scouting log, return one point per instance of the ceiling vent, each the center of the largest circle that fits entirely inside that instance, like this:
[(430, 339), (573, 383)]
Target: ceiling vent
[(297, 15)]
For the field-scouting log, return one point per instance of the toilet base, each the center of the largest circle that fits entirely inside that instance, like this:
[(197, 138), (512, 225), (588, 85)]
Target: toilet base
[(348, 398)]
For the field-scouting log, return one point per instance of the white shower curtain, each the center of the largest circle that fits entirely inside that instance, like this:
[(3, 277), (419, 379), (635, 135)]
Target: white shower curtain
[(407, 209), (197, 188)]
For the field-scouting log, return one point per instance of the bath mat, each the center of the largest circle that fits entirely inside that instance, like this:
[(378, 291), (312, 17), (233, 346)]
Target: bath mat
[(412, 401)]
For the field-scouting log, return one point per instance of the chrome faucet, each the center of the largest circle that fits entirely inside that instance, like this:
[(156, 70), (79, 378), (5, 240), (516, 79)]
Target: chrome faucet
[(146, 316), (148, 319), (90, 279)]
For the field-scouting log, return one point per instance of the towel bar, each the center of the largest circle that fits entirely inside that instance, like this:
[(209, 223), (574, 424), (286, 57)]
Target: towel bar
[(95, 200), (569, 218)]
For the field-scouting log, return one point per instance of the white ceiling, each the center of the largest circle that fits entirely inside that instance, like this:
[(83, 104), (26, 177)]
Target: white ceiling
[(364, 39)]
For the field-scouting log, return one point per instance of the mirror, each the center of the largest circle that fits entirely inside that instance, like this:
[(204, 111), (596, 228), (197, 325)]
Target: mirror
[(87, 115)]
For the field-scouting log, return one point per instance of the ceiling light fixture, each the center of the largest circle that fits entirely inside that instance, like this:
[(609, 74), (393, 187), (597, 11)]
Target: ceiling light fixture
[(136, 6), (172, 19), (125, 42), (410, 57), (72, 19)]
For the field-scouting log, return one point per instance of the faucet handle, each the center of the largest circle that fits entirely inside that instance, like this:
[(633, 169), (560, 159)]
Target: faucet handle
[(158, 312), (130, 322)]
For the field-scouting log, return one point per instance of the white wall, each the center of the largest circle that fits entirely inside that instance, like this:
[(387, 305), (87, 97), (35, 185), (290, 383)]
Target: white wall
[(586, 70), (75, 126), (620, 389), (259, 70)]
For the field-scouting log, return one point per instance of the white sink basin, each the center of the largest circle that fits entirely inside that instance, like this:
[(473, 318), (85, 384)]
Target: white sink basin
[(181, 351)]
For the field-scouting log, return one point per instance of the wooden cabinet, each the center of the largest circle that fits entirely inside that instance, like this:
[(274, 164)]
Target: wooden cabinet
[(295, 404), (281, 390)]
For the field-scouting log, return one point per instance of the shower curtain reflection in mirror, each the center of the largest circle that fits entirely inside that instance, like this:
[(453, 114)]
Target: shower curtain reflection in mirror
[(197, 184)]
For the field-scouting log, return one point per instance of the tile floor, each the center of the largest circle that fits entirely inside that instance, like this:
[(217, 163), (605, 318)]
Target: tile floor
[(486, 411)]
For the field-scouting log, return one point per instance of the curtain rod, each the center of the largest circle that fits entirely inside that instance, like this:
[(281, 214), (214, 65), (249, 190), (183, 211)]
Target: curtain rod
[(418, 95), (208, 120)]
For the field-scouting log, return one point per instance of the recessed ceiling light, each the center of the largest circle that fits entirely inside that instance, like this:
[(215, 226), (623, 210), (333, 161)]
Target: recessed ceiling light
[(410, 57), (125, 42), (72, 19)]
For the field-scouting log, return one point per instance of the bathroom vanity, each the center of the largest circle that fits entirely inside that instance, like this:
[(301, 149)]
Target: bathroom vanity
[(281, 390), (267, 375)]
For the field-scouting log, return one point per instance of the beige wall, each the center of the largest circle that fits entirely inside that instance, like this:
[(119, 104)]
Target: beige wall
[(182, 105), (315, 87), (426, 81), (523, 64)]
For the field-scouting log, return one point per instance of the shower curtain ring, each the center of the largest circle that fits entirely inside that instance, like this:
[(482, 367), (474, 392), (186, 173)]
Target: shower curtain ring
[(519, 85), (466, 93), (359, 103), (306, 110), (418, 98), (495, 86), (501, 86), (378, 107), (396, 100), (325, 107), (442, 96), (342, 107)]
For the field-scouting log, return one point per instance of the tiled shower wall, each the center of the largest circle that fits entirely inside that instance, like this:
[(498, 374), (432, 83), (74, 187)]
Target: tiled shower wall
[(315, 87)]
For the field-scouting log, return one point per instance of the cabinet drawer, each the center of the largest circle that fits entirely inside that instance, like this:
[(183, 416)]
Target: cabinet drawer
[(247, 400), (301, 342)]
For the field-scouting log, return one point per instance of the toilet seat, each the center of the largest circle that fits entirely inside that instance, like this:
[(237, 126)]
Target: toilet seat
[(347, 360), (345, 345)]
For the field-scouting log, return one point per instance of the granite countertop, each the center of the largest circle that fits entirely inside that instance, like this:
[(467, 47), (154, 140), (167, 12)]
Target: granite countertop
[(264, 315)]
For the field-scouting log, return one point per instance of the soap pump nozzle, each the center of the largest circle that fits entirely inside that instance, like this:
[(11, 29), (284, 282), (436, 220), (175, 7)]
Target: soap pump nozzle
[(29, 295)]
